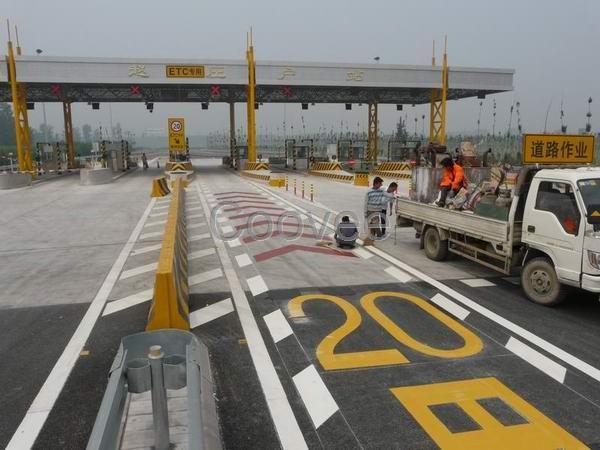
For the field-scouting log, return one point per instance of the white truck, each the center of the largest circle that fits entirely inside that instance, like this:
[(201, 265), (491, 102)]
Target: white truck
[(552, 233)]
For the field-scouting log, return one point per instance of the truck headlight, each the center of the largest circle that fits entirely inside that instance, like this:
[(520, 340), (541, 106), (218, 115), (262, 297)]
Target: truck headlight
[(594, 259)]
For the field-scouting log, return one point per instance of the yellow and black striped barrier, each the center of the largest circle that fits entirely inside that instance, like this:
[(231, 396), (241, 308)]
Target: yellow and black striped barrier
[(173, 166), (170, 308), (326, 166), (334, 175), (394, 169), (256, 166), (361, 179), (160, 188)]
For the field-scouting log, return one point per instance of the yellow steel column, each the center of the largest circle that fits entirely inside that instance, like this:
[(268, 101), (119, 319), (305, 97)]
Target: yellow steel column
[(19, 96), (373, 134), (69, 135), (437, 112), (250, 101)]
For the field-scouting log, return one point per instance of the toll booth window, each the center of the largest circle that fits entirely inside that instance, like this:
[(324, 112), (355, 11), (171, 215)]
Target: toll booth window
[(559, 199)]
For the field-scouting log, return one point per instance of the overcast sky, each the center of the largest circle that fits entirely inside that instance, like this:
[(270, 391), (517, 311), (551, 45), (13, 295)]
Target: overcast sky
[(552, 45)]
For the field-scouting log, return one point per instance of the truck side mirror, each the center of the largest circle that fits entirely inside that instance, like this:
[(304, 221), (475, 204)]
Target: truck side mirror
[(593, 214)]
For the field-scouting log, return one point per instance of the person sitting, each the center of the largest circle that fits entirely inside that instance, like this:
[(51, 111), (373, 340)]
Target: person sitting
[(346, 233), (452, 180)]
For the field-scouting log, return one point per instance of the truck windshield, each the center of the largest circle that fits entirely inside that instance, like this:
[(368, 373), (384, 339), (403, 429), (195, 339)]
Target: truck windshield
[(590, 191)]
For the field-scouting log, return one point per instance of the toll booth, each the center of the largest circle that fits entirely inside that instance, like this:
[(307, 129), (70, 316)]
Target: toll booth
[(403, 150), (50, 158), (115, 155)]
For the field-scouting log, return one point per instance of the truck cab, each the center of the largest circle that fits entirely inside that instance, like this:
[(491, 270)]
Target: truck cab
[(562, 246)]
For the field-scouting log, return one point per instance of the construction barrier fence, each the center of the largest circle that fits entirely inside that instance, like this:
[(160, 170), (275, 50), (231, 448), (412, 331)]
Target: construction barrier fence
[(170, 308), (394, 169), (334, 175), (326, 166), (160, 187)]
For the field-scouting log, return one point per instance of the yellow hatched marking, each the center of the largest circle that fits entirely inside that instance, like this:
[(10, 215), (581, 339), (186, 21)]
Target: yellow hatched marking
[(540, 432)]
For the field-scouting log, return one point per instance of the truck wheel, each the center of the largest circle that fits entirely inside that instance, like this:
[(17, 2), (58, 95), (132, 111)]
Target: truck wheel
[(435, 247), (541, 284)]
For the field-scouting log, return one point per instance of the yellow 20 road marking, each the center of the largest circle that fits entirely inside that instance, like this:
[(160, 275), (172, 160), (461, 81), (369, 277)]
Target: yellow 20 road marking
[(326, 349)]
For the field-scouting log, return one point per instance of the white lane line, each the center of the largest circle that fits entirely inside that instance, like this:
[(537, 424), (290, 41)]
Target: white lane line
[(158, 208), (478, 282), (222, 219), (226, 229), (550, 348), (192, 202), (288, 430), (198, 237), (128, 302), (201, 253), (195, 216), (196, 225), (210, 312), (153, 224), (234, 243), (205, 276), (453, 308), (150, 235), (536, 359), (146, 295), (138, 271), (257, 285), (161, 214), (195, 208), (315, 395), (243, 260), (362, 253), (40, 408), (143, 250), (278, 325), (398, 274)]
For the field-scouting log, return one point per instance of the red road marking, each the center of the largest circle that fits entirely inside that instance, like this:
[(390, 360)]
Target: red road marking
[(237, 192), (256, 214), (239, 208), (255, 202), (245, 226), (235, 197), (303, 248), (249, 239)]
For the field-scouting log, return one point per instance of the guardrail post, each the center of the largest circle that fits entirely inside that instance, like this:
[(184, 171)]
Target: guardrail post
[(286, 183), (294, 186), (160, 412), (312, 192), (302, 188)]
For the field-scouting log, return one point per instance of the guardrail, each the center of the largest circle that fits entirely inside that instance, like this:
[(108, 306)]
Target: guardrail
[(155, 361), (160, 187), (170, 307)]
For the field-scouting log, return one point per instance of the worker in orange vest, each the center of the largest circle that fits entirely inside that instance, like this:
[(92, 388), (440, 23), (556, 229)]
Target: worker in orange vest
[(452, 180)]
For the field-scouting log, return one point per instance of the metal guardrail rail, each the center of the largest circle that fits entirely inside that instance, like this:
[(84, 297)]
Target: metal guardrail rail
[(155, 361)]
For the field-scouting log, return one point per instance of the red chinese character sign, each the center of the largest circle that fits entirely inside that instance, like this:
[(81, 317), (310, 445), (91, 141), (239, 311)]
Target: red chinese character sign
[(557, 149)]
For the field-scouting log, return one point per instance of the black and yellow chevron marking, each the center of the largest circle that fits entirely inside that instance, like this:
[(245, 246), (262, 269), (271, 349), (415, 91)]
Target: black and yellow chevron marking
[(173, 166), (160, 188), (256, 166)]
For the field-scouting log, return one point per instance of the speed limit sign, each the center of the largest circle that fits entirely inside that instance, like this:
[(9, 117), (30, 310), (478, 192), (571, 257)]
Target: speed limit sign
[(176, 134)]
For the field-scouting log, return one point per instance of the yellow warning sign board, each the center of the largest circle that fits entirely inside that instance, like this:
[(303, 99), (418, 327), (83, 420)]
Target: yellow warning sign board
[(558, 149), (176, 134), (185, 71)]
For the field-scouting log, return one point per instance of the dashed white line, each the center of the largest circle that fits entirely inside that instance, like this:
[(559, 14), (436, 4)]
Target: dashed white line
[(128, 302), (398, 274), (536, 359), (195, 208), (196, 225), (150, 235), (210, 312), (201, 253), (154, 224), (278, 325), (362, 253), (233, 243), (222, 219), (205, 276), (257, 285), (160, 214), (195, 216), (138, 270), (40, 408), (315, 395), (158, 208), (143, 250), (477, 282), (243, 260), (286, 425), (226, 229), (453, 308), (198, 237)]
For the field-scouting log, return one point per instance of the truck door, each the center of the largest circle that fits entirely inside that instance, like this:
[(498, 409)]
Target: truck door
[(552, 224)]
